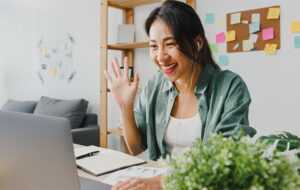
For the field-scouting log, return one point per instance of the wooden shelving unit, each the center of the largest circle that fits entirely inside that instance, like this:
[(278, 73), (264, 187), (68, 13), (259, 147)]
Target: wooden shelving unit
[(128, 49)]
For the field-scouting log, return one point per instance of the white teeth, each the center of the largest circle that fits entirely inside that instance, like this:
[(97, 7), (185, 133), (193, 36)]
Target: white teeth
[(168, 67)]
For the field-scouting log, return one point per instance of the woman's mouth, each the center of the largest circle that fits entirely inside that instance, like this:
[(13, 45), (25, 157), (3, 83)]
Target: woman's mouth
[(169, 68)]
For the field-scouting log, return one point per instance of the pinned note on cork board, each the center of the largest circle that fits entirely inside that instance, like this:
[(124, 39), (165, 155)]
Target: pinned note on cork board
[(256, 21)]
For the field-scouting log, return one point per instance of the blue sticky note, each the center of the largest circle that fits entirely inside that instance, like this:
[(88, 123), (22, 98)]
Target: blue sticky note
[(297, 42), (210, 18), (254, 27), (223, 60)]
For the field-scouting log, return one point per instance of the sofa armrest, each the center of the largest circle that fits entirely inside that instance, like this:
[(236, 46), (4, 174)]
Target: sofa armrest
[(89, 135)]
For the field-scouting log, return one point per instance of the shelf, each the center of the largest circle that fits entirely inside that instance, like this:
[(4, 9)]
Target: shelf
[(125, 46), (115, 132), (139, 90), (125, 4)]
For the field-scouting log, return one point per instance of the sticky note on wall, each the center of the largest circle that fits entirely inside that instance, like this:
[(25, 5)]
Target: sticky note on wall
[(295, 26), (254, 27), (235, 18), (221, 23), (223, 60), (273, 13), (220, 37), (213, 48), (230, 35), (270, 48), (44, 48), (268, 34), (297, 42), (247, 45), (253, 38), (255, 17), (210, 18)]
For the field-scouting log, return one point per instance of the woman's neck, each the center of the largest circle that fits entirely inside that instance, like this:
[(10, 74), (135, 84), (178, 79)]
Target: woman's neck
[(188, 83)]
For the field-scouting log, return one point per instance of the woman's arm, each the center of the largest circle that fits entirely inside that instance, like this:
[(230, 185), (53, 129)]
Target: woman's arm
[(236, 110), (140, 184), (131, 132), (124, 94)]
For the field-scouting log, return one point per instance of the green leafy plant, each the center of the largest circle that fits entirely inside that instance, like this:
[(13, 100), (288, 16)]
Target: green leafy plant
[(284, 142), (230, 163)]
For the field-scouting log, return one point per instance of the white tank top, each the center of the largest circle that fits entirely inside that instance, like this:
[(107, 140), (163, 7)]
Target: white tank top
[(181, 133)]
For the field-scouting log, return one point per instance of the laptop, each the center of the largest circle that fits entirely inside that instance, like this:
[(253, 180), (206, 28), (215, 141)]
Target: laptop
[(36, 152)]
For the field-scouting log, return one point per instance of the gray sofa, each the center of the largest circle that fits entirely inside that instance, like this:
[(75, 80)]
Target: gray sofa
[(84, 126)]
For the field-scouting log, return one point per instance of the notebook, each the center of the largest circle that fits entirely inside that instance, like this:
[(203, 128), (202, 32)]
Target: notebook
[(104, 161)]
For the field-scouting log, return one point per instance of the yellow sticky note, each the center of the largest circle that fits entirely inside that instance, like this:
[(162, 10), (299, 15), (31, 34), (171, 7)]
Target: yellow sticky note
[(221, 23), (247, 45), (295, 26), (270, 48), (44, 48), (235, 18), (63, 46), (53, 71), (273, 13), (230, 36)]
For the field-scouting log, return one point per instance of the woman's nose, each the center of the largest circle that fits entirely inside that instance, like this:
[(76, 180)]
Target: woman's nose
[(161, 55)]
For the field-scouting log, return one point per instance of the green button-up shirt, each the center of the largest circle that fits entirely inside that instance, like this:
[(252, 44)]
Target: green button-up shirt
[(223, 106)]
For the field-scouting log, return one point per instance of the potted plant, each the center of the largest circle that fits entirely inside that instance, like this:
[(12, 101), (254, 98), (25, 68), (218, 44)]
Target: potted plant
[(230, 163)]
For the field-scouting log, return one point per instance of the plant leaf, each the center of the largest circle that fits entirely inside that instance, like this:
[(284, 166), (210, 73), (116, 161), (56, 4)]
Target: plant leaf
[(286, 141)]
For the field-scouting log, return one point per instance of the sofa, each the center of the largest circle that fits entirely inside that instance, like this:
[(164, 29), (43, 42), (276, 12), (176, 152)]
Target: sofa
[(84, 126)]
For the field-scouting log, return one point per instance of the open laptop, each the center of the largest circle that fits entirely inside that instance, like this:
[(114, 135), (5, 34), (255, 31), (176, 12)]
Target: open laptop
[(36, 153)]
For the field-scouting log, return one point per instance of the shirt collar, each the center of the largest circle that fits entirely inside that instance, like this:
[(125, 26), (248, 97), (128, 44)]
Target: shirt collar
[(204, 78), (202, 82)]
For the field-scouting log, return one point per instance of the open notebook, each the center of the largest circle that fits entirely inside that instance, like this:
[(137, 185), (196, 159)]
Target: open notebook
[(104, 161)]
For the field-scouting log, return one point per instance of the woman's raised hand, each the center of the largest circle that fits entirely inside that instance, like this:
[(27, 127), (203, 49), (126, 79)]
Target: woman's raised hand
[(122, 91)]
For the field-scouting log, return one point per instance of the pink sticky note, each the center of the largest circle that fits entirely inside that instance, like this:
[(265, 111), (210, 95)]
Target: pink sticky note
[(268, 34), (220, 37)]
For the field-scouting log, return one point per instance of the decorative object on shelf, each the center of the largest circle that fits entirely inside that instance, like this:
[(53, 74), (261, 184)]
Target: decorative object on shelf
[(230, 163), (125, 33)]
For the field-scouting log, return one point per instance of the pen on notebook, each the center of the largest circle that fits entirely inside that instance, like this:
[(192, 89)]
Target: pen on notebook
[(86, 155)]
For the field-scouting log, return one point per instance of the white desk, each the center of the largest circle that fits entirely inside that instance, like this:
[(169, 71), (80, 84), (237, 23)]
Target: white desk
[(82, 173)]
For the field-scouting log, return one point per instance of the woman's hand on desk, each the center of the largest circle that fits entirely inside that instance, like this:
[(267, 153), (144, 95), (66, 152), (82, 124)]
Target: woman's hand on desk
[(153, 183), (122, 90)]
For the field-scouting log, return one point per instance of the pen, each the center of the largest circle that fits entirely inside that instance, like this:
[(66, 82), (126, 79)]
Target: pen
[(86, 155)]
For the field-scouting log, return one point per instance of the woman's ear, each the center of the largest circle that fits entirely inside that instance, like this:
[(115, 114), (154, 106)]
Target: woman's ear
[(199, 41)]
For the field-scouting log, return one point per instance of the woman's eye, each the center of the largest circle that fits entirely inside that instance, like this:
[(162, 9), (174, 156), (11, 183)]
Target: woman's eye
[(152, 46), (171, 44)]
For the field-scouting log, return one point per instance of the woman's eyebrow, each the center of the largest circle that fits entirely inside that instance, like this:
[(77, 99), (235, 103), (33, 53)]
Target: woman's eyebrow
[(165, 39)]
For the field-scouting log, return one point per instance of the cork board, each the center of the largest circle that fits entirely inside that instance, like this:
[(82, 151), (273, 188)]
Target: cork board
[(242, 30)]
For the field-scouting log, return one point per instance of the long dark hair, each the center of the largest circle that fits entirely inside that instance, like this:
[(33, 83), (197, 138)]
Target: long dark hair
[(185, 25)]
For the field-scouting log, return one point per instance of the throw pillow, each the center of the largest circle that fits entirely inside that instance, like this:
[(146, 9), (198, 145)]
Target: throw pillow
[(19, 106), (73, 110)]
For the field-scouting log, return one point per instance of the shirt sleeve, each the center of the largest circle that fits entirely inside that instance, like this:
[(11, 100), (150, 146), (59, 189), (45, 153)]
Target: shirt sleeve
[(236, 109), (140, 117)]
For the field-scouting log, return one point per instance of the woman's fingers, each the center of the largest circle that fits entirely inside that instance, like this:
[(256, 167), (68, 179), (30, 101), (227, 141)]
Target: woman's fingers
[(126, 67), (113, 70), (117, 67), (107, 75), (136, 80), (131, 183)]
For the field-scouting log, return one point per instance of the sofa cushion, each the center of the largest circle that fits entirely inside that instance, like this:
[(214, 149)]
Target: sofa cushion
[(19, 106), (73, 110)]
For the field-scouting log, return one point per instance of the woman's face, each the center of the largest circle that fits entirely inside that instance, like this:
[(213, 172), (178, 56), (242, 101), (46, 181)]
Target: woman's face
[(165, 53)]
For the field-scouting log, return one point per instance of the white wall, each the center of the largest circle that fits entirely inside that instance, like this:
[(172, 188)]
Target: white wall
[(23, 23), (272, 80)]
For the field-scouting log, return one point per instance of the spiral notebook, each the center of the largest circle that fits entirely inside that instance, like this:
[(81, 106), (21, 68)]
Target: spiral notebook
[(98, 161)]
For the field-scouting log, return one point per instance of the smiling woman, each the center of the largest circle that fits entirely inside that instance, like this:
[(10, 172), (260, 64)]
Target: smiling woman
[(189, 98)]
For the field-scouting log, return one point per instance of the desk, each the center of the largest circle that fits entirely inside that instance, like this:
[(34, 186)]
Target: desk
[(82, 173)]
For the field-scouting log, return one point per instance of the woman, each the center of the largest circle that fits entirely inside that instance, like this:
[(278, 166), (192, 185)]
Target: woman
[(189, 98)]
